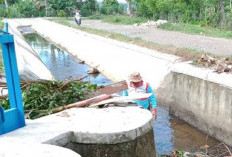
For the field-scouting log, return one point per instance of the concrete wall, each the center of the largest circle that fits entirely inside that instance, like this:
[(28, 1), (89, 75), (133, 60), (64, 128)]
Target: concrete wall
[(30, 66), (144, 146), (203, 99)]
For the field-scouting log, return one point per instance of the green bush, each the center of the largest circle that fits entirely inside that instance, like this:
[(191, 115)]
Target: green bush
[(61, 13), (1, 23), (102, 10), (110, 7), (122, 19), (41, 99), (13, 12), (2, 10), (96, 17), (27, 9), (89, 7)]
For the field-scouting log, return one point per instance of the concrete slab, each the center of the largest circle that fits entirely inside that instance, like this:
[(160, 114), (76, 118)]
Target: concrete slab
[(35, 150), (84, 125)]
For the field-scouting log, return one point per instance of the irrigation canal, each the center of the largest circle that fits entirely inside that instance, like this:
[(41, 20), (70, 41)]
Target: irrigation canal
[(170, 133)]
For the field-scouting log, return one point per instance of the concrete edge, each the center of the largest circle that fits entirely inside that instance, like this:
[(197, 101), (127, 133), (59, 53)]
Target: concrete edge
[(98, 138), (120, 137), (206, 74)]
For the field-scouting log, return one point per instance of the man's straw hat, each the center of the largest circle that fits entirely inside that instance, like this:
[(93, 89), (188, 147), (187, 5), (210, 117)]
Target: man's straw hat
[(135, 77)]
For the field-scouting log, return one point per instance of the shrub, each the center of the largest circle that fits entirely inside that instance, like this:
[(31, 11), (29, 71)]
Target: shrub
[(61, 13), (42, 98), (13, 11), (2, 10)]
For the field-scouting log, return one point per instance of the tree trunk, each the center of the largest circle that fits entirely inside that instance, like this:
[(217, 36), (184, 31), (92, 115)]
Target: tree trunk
[(231, 5), (46, 8), (5, 1), (222, 13), (129, 7)]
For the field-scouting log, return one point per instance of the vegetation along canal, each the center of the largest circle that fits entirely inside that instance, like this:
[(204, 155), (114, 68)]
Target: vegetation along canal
[(170, 133)]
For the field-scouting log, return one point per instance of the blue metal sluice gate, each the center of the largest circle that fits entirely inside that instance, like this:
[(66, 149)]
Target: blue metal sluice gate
[(12, 118)]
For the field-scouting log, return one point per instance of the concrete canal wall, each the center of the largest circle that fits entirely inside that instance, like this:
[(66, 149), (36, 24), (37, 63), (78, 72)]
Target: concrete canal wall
[(113, 131), (202, 98), (30, 66)]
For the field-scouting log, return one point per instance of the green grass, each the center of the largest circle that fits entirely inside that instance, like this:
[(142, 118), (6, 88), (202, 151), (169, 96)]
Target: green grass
[(1, 61), (197, 29), (1, 23), (119, 19)]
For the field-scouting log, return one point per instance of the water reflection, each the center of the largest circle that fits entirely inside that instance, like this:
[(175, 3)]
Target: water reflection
[(163, 132), (62, 65), (172, 133)]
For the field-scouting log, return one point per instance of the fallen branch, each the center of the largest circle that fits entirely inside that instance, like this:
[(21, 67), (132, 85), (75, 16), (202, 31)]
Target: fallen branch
[(83, 103), (68, 82)]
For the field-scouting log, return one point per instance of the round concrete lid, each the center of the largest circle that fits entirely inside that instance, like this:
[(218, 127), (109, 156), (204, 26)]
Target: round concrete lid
[(35, 150)]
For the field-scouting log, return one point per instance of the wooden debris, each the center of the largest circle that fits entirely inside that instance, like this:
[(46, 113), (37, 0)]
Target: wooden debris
[(121, 99), (81, 62), (24, 84), (83, 103), (93, 71), (68, 82), (220, 150), (220, 65), (110, 89)]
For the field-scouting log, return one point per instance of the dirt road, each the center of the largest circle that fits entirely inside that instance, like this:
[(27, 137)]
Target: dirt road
[(217, 46)]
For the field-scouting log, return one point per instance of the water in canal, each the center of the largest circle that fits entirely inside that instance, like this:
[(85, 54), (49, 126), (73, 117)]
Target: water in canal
[(170, 133)]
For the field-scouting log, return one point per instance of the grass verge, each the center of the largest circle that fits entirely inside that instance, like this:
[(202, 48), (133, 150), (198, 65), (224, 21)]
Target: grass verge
[(119, 19), (197, 29)]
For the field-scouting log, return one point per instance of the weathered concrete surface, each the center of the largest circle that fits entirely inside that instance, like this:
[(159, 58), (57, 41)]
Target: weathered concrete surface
[(30, 65), (86, 126), (35, 150), (114, 59), (140, 147), (203, 99)]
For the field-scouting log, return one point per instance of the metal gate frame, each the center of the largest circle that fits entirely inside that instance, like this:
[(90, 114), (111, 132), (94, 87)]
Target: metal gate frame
[(12, 118)]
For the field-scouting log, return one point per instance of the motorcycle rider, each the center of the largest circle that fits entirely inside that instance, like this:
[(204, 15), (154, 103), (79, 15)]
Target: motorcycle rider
[(78, 17)]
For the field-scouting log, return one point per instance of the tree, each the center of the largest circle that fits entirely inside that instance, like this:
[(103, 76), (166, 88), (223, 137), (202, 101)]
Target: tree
[(222, 13), (110, 6), (60, 5), (110, 3), (6, 4), (129, 7), (142, 8), (89, 7)]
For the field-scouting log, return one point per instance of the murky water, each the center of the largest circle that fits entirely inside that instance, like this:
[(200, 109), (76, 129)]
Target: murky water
[(62, 65), (170, 133)]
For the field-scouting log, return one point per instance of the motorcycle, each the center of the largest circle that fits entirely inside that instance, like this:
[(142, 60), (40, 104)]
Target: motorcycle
[(78, 19)]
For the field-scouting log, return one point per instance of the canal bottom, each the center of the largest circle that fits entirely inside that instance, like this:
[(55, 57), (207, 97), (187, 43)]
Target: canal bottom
[(170, 133)]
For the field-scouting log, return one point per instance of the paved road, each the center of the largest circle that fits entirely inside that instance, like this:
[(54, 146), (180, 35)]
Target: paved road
[(217, 46)]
